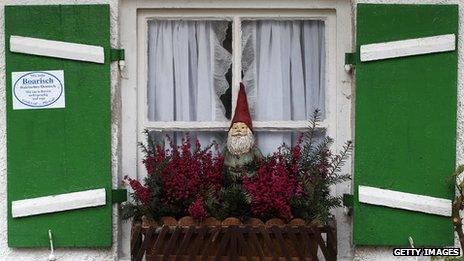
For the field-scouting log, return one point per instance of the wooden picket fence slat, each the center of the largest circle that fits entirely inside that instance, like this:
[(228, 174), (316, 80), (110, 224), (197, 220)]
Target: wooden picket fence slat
[(208, 243)]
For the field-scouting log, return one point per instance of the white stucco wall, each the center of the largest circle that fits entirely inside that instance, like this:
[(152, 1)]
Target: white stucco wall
[(346, 252)]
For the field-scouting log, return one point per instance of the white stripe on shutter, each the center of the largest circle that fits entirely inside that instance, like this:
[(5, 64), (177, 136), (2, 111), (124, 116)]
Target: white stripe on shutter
[(57, 203), (57, 49), (402, 200), (425, 45)]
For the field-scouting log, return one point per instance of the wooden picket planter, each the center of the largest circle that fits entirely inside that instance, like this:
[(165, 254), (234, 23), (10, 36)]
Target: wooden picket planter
[(235, 242)]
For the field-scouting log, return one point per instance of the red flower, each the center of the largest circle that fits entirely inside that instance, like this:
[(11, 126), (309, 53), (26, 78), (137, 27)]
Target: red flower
[(154, 158), (294, 168), (142, 193), (197, 209), (296, 152), (149, 165), (272, 188), (188, 174)]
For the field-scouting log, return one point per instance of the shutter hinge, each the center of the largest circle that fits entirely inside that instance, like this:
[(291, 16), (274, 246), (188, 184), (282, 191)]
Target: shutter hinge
[(350, 61), (348, 202), (117, 55), (118, 195)]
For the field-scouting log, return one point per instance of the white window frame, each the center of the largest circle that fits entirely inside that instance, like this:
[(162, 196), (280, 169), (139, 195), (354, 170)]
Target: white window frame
[(133, 25), (235, 17)]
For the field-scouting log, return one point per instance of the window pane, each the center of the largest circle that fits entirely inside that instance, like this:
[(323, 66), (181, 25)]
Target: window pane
[(187, 68), (283, 66), (205, 138), (269, 142)]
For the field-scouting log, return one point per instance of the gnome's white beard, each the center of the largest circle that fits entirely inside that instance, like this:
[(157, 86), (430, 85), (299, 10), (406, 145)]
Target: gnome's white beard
[(240, 144)]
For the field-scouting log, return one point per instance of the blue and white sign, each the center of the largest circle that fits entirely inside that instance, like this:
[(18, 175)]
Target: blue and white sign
[(38, 90)]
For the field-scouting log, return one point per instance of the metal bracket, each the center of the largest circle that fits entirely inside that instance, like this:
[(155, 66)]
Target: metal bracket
[(350, 61), (117, 55), (348, 202), (118, 195)]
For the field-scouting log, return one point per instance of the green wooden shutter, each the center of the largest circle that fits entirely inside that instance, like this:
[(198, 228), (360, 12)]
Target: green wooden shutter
[(56, 151), (405, 124)]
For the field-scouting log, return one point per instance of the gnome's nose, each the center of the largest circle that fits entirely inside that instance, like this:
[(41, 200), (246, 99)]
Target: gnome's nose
[(238, 132)]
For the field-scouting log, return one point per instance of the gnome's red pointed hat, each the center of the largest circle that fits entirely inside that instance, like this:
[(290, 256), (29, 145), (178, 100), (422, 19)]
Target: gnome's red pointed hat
[(242, 113)]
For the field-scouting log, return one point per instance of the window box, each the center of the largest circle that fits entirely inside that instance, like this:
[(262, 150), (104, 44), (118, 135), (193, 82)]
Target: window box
[(249, 241)]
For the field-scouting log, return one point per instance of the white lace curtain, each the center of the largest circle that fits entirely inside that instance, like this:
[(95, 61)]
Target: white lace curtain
[(187, 64), (186, 70), (284, 71)]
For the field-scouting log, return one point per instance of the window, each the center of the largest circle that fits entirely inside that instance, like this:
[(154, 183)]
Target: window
[(246, 23), (195, 61)]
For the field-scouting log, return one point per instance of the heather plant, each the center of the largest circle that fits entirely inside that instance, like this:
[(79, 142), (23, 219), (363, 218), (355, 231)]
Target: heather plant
[(178, 179), (293, 182), (272, 187)]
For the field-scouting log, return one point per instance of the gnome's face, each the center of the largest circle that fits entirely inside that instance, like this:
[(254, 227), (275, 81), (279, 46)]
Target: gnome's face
[(240, 139), (239, 129)]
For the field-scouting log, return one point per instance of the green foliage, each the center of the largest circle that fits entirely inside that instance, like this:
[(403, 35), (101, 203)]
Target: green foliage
[(319, 170), (232, 201)]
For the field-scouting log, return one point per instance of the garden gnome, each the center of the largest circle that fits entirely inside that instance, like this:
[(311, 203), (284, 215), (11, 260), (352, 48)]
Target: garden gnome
[(241, 149)]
